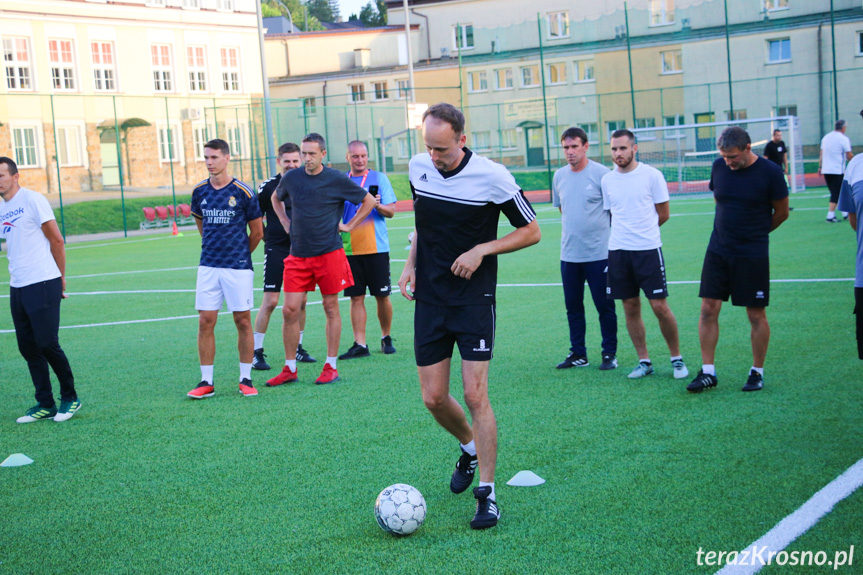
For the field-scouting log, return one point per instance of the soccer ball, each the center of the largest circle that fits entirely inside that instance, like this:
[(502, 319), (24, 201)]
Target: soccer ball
[(400, 509)]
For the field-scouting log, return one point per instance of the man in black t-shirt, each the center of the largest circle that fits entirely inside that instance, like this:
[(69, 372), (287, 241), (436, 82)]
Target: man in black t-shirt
[(452, 274), (751, 201), (277, 244), (776, 151)]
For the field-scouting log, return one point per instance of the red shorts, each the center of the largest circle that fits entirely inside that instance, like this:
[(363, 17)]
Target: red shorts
[(330, 271)]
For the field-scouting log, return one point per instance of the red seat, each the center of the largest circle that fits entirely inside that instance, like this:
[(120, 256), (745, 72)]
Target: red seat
[(162, 212), (170, 211), (185, 210), (149, 214)]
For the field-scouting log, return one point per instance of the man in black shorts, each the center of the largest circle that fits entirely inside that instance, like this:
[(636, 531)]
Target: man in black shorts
[(835, 151), (776, 151), (452, 273), (751, 201), (277, 244)]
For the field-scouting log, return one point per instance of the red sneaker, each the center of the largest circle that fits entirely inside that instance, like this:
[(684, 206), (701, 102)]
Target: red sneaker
[(203, 390), (247, 389), (329, 375), (287, 376)]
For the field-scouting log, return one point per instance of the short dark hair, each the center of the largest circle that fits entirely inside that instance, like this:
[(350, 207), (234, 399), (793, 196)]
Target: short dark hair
[(447, 113), (840, 124), (357, 143), (10, 163), (624, 132), (289, 148), (777, 130), (734, 137), (317, 138), (573, 133), (219, 144)]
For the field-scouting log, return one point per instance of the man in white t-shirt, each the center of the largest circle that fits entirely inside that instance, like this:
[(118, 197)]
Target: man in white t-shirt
[(835, 151), (637, 196), (37, 270)]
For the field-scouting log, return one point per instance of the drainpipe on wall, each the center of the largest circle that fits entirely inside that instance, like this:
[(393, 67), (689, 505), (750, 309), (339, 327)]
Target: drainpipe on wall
[(820, 85), (428, 39)]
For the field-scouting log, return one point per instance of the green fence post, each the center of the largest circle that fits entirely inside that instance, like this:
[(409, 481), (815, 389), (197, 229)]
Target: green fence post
[(629, 57), (120, 167), (544, 101), (171, 157), (252, 151), (57, 163)]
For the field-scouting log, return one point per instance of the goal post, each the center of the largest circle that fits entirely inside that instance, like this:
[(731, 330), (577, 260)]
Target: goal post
[(685, 153)]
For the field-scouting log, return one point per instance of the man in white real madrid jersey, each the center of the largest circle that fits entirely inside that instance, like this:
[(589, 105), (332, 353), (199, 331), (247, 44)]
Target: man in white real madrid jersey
[(452, 273)]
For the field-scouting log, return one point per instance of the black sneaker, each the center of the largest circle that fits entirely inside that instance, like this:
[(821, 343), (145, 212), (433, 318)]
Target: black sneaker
[(609, 361), (573, 360), (465, 469), (833, 220), (701, 382), (487, 511), (755, 382), (356, 350), (387, 345), (303, 356), (258, 362)]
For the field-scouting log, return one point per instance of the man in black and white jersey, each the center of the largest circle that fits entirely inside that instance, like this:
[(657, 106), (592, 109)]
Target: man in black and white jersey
[(278, 246), (451, 272)]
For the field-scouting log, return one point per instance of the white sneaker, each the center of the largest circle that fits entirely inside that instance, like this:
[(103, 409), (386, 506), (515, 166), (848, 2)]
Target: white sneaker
[(680, 370)]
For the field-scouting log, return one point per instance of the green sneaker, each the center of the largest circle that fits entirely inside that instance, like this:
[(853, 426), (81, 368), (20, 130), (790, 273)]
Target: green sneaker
[(38, 413), (643, 369), (67, 410)]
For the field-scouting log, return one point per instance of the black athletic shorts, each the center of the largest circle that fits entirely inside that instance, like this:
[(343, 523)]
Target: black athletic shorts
[(629, 271), (745, 279), (834, 184), (858, 310), (437, 328), (274, 266), (370, 271)]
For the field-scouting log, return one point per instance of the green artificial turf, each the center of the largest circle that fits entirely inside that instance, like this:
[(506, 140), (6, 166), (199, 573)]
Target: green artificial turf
[(639, 474)]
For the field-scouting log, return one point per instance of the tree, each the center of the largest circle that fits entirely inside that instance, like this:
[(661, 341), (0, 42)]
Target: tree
[(373, 14), (320, 9), (296, 10)]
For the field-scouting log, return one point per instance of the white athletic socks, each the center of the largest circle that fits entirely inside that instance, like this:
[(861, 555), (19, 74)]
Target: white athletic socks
[(301, 338), (245, 371), (644, 360), (259, 340), (332, 361), (483, 484), (831, 215), (760, 370), (708, 369), (470, 448), (291, 364), (675, 358), (207, 374)]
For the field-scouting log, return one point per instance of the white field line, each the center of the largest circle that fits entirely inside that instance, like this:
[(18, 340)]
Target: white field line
[(796, 524)]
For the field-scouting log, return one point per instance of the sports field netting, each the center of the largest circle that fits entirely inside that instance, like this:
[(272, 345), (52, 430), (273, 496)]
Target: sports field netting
[(640, 475), (685, 153)]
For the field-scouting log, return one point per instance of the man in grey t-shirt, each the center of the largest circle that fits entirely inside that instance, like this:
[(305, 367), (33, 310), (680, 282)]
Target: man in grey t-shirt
[(577, 191), (317, 196)]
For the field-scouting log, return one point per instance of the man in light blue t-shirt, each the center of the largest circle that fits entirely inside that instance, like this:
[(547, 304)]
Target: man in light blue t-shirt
[(577, 191), (851, 201)]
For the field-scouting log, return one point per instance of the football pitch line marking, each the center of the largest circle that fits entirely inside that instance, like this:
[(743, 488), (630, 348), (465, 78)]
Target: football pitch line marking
[(799, 522)]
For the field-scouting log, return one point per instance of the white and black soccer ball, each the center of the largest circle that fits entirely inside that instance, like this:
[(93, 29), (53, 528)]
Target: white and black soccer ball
[(400, 509)]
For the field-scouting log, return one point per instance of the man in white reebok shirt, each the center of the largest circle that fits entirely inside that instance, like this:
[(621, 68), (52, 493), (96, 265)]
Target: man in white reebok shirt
[(835, 151), (37, 269), (637, 196)]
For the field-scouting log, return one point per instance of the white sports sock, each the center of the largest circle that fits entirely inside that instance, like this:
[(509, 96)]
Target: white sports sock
[(207, 373), (676, 357), (332, 361), (470, 448), (844, 214), (492, 496), (708, 369), (831, 215), (644, 360), (760, 370), (245, 371), (259, 340), (301, 338), (292, 364)]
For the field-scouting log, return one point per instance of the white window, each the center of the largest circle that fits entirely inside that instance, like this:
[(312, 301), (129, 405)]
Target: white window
[(404, 150), (380, 92), (16, 61), (196, 64), (231, 69), (104, 66), (192, 4), (481, 141), (592, 132), (170, 143), (676, 120), (661, 12), (672, 62), (779, 50), (477, 81), (557, 73), (161, 3), (357, 93), (646, 123), (558, 25), (584, 71), (238, 139), (612, 127), (555, 133), (199, 138), (225, 5), (503, 79), (69, 146), (25, 146), (310, 107), (509, 139), (462, 37), (529, 76), (62, 65), (770, 5), (785, 111), (736, 115), (403, 89), (859, 43), (162, 70)]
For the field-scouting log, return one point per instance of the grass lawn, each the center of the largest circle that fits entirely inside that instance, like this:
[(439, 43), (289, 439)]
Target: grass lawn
[(639, 474)]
